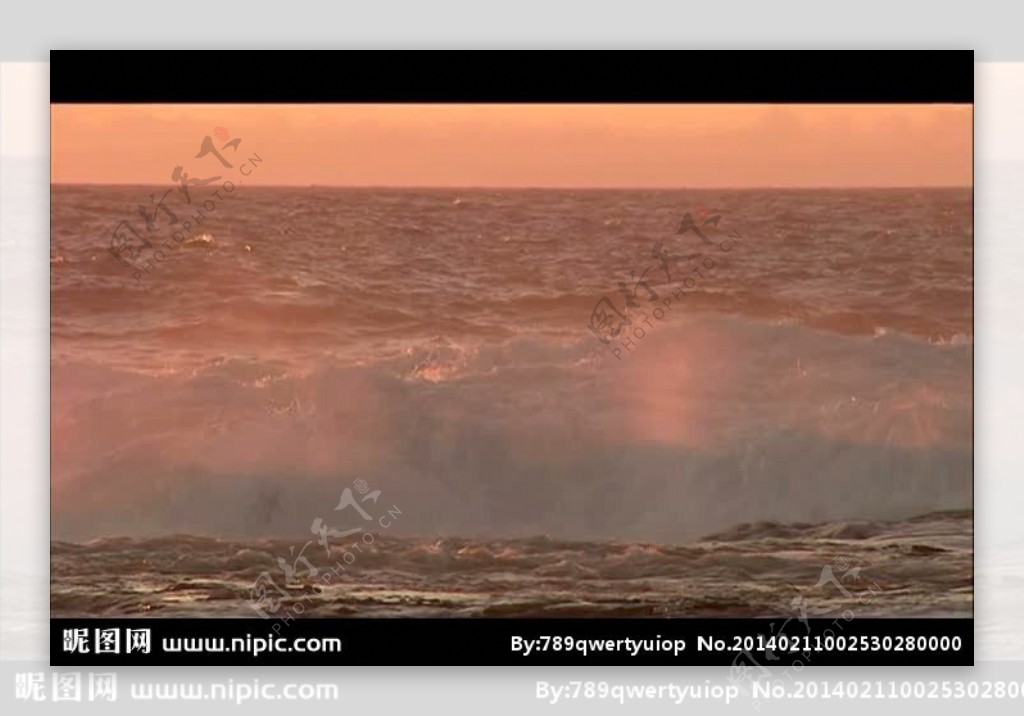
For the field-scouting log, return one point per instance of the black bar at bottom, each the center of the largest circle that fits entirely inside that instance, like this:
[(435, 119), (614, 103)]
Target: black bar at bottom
[(548, 642)]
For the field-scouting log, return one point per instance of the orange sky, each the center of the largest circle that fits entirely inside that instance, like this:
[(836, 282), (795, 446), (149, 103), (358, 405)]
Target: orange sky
[(524, 145)]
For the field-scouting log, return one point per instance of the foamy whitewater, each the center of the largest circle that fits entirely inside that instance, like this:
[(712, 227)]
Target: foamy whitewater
[(804, 403)]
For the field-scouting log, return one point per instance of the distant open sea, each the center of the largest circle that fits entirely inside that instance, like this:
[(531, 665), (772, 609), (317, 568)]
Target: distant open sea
[(466, 365)]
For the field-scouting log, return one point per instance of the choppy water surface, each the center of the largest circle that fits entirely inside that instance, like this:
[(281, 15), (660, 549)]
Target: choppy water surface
[(438, 346)]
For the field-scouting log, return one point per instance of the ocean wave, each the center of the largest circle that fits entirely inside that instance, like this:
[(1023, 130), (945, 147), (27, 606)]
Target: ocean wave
[(684, 434), (917, 567), (820, 372)]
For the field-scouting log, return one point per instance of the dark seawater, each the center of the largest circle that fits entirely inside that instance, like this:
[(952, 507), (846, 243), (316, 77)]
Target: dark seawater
[(429, 350)]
